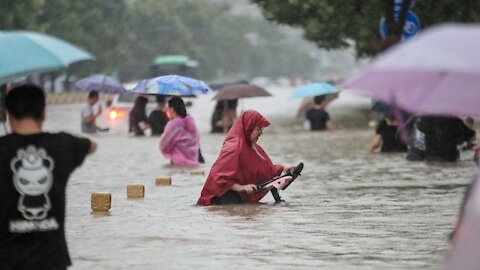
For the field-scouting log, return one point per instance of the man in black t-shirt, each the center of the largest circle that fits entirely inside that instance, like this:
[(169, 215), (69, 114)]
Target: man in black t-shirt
[(34, 170), (317, 118)]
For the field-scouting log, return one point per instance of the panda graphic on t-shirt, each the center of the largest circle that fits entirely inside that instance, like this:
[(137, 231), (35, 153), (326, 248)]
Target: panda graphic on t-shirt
[(32, 176)]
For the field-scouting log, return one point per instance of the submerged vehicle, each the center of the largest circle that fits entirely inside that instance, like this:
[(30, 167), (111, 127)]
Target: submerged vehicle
[(280, 182)]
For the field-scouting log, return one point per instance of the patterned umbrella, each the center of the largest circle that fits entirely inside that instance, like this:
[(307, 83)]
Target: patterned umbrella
[(172, 85)]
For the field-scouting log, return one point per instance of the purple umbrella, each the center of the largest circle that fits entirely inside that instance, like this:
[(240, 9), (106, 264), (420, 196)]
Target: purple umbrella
[(465, 249), (100, 83), (437, 72)]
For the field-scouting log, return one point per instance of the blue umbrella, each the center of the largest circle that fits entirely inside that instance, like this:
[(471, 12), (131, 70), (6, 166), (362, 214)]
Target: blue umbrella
[(100, 83), (25, 53), (173, 85), (314, 89)]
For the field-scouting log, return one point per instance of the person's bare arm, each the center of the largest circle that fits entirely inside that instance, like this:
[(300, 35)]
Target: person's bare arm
[(329, 125), (143, 125), (288, 168), (93, 147), (250, 188), (377, 140), (90, 118), (225, 122)]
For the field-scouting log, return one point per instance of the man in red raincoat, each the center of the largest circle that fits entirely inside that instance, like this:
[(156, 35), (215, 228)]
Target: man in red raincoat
[(241, 165)]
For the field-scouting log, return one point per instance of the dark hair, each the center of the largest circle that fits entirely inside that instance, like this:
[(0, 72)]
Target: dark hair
[(26, 101), (160, 98), (232, 103), (140, 103), (178, 106), (93, 93), (390, 114), (319, 99)]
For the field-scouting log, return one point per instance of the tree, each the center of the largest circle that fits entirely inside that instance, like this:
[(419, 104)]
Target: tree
[(19, 14), (333, 24), (209, 34), (127, 35), (94, 25)]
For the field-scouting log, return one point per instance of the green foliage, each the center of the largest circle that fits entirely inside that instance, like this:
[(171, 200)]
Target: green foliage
[(331, 24), (13, 13), (127, 35)]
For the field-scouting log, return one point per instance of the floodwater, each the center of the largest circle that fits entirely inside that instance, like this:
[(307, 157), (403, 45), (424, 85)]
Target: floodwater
[(349, 210)]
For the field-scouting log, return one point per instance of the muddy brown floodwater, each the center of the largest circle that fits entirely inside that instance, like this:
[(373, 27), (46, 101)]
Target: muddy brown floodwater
[(349, 210)]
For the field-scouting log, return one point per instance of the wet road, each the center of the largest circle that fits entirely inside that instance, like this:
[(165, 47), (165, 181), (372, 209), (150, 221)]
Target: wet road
[(349, 210)]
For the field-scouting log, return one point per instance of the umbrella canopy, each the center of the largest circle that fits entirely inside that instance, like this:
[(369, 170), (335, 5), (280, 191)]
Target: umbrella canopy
[(221, 84), (237, 91), (314, 89), (173, 85), (25, 53), (100, 83), (464, 252), (437, 72)]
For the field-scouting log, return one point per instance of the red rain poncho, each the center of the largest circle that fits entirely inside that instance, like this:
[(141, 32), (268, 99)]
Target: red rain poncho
[(239, 162)]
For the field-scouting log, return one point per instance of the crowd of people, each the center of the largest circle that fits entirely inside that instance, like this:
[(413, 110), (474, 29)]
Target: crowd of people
[(39, 163), (424, 138), (429, 138)]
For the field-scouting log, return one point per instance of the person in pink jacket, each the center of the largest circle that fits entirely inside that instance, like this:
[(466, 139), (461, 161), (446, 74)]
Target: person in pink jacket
[(180, 141)]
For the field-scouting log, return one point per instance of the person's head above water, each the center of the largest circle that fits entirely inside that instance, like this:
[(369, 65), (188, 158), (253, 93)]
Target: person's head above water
[(319, 99), (177, 107), (390, 115), (140, 104), (26, 101), (160, 99), (249, 125), (92, 97), (256, 133), (232, 103)]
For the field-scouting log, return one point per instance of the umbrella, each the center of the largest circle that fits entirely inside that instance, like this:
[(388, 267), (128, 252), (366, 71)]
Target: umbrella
[(173, 85), (24, 53), (314, 89), (465, 245), (437, 72), (101, 83), (237, 91), (220, 84)]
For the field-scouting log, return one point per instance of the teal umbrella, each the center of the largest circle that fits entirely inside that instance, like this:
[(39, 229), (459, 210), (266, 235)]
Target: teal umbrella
[(24, 53), (314, 89)]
